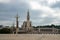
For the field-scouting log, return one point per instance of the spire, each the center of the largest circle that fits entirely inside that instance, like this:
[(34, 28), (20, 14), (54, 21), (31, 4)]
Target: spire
[(28, 17), (17, 15)]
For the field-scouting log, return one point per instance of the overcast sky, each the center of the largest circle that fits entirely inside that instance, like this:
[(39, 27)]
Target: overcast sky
[(42, 12)]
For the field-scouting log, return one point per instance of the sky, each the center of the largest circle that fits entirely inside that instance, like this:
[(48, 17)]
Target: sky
[(42, 12)]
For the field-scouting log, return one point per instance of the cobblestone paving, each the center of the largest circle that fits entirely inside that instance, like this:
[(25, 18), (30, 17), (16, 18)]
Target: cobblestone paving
[(29, 36)]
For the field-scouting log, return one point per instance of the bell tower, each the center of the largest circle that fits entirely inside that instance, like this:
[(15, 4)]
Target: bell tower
[(28, 28)]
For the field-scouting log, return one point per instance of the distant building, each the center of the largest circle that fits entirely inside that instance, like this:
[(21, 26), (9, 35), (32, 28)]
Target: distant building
[(27, 26), (48, 30)]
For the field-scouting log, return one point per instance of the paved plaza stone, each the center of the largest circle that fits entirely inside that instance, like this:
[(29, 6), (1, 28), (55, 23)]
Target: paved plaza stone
[(29, 36)]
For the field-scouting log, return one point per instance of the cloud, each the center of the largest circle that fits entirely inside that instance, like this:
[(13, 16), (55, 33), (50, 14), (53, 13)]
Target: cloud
[(5, 1), (37, 6), (6, 23), (56, 5), (9, 11), (47, 14), (41, 11)]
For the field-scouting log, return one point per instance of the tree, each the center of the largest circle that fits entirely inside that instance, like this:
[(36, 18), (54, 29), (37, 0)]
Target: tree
[(5, 31)]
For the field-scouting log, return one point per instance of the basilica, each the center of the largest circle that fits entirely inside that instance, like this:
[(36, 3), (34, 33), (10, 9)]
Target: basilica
[(27, 28)]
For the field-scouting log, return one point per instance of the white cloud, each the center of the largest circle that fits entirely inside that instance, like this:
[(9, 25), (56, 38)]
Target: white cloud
[(43, 15), (37, 6), (51, 1), (48, 1), (42, 5), (5, 1), (56, 22), (34, 5), (46, 10), (6, 23), (9, 23)]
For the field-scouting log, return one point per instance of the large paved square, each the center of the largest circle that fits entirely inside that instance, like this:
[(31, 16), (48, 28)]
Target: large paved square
[(29, 36)]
